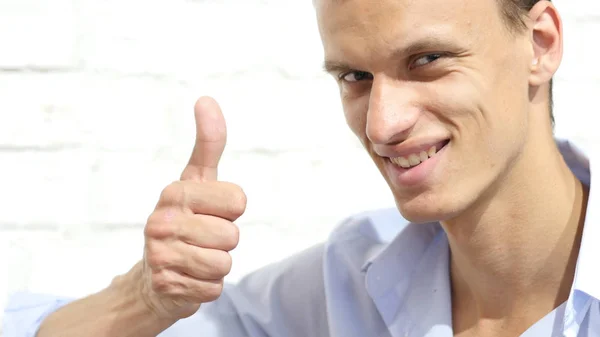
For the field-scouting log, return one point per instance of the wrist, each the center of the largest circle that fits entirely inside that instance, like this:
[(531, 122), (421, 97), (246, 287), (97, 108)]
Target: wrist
[(136, 299)]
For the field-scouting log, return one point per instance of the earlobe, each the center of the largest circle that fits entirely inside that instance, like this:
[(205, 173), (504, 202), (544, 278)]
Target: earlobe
[(546, 39)]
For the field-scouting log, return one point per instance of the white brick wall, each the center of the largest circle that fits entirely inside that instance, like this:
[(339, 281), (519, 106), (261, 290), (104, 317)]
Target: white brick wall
[(96, 118)]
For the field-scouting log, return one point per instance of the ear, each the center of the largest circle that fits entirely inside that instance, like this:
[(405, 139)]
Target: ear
[(545, 25)]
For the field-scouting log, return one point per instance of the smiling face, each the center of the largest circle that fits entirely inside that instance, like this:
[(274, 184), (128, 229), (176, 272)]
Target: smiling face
[(437, 91)]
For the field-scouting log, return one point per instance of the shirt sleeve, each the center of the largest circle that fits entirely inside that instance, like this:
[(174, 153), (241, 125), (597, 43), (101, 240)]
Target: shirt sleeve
[(286, 298), (25, 312)]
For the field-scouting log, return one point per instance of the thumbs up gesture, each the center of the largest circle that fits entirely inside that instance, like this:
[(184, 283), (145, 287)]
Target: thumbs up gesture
[(190, 233)]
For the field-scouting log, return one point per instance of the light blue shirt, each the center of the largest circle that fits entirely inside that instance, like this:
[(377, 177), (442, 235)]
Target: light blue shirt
[(377, 275)]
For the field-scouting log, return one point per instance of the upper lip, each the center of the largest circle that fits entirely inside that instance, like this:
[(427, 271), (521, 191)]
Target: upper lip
[(409, 147)]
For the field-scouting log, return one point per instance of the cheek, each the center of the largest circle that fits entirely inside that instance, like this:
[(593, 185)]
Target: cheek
[(456, 102)]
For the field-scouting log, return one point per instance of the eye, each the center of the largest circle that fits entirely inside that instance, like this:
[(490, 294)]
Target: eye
[(425, 60), (355, 76)]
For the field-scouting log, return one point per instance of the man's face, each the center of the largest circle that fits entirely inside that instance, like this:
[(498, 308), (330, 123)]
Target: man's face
[(437, 92)]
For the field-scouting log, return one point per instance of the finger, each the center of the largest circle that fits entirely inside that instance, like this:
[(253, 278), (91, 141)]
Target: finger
[(216, 198), (211, 136), (182, 286), (220, 199), (210, 232), (201, 263)]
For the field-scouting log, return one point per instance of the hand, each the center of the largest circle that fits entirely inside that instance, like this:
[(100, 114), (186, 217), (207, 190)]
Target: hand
[(191, 231)]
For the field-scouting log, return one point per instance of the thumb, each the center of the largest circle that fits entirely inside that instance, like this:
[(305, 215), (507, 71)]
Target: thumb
[(211, 135)]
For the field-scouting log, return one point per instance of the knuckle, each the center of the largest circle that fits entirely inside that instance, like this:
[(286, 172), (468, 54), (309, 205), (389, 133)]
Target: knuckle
[(173, 194), (157, 259), (238, 201), (161, 283), (211, 291), (230, 237), (161, 224), (226, 264), (219, 265)]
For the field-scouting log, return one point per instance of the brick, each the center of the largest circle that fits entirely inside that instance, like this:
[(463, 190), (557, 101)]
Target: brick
[(271, 114), (55, 111), (192, 40), (125, 186), (144, 114), (38, 35), (39, 111), (47, 190), (72, 265)]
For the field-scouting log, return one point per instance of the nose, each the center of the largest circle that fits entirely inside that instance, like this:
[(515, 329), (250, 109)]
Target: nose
[(392, 111)]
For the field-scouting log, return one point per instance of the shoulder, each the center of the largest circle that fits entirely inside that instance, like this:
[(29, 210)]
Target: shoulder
[(367, 231), (351, 240), (379, 225), (364, 237), (360, 237)]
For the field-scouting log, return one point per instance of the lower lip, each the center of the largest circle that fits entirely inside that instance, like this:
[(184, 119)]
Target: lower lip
[(415, 175)]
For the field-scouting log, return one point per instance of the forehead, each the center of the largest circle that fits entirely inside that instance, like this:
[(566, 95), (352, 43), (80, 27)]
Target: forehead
[(389, 22)]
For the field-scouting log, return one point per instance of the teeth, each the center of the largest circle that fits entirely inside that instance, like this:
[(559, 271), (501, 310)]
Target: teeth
[(431, 151), (403, 162), (414, 159)]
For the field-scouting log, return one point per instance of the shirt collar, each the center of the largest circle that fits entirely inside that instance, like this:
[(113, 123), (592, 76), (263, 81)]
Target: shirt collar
[(409, 282)]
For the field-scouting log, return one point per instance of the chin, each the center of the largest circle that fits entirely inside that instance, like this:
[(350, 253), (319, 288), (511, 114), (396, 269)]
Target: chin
[(425, 208)]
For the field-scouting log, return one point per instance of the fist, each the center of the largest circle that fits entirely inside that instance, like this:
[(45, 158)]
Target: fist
[(191, 231)]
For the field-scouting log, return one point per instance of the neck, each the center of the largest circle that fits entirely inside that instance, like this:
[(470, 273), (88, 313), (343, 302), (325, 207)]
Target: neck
[(513, 254)]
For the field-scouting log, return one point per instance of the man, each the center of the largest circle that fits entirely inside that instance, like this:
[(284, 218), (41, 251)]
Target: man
[(452, 100)]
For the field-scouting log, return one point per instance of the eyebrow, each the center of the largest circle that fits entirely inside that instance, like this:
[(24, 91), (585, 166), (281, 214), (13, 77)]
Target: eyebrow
[(333, 67), (429, 44)]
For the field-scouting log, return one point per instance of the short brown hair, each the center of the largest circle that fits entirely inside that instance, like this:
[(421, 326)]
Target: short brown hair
[(514, 12)]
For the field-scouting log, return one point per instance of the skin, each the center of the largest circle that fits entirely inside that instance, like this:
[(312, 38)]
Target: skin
[(451, 70)]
